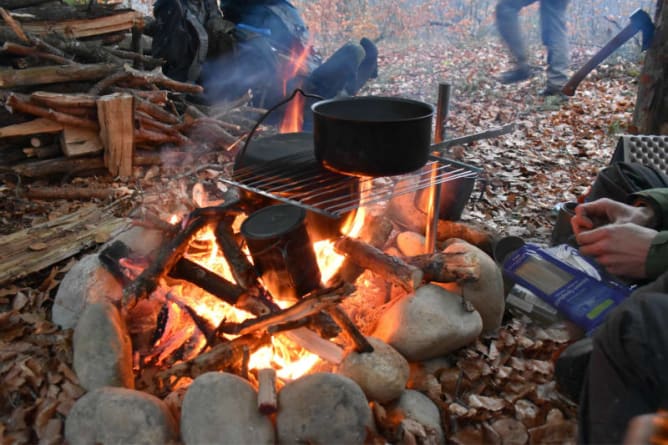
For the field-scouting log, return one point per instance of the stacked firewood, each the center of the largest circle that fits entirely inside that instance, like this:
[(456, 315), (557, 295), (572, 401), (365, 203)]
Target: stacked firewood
[(80, 92)]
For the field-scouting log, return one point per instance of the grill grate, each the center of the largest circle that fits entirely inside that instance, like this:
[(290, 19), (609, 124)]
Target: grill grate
[(300, 180)]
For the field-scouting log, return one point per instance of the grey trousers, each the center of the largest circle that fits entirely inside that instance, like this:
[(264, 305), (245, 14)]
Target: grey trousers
[(628, 368), (553, 34)]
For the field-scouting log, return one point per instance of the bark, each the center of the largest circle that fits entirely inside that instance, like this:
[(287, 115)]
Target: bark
[(12, 78), (651, 110)]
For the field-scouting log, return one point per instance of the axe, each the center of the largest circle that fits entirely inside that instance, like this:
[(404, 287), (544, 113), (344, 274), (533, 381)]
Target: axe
[(640, 21)]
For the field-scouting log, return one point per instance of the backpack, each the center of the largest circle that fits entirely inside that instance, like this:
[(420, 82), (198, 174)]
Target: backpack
[(621, 179), (180, 38)]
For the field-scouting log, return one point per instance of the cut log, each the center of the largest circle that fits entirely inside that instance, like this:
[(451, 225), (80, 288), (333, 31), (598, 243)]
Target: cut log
[(115, 113), (72, 166), (43, 152), (267, 402), (220, 357), (20, 50), (311, 304), (60, 100), (41, 246), (70, 193), (19, 103), (35, 126), (11, 78), (388, 266), (76, 141), (447, 267), (77, 28)]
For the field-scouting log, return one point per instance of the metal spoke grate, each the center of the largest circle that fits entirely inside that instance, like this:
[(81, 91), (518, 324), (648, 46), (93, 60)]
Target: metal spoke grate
[(302, 181)]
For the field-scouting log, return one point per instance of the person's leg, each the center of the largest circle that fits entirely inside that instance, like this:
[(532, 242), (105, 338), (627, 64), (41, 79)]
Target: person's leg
[(507, 22), (627, 369), (555, 39)]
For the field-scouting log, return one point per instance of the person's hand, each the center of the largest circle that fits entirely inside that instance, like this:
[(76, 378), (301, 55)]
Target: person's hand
[(606, 211), (620, 248)]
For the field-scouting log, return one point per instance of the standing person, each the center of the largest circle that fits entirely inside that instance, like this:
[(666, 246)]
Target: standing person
[(553, 34)]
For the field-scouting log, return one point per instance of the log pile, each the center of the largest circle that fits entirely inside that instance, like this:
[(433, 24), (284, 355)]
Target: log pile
[(80, 92)]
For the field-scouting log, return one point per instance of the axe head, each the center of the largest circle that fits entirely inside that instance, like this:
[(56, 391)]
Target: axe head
[(643, 23)]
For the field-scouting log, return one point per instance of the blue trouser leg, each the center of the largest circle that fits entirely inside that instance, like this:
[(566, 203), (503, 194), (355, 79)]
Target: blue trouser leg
[(507, 22), (553, 33)]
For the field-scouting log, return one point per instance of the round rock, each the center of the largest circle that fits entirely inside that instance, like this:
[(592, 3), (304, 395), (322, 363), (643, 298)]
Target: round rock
[(428, 323), (418, 407), (120, 415), (323, 408), (102, 348), (86, 282), (486, 294), (382, 374), (222, 408)]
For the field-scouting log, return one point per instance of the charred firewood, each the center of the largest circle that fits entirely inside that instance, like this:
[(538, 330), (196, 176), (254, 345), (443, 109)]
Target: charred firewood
[(312, 303), (211, 282), (447, 267), (243, 271), (169, 254), (221, 356), (388, 266), (340, 316)]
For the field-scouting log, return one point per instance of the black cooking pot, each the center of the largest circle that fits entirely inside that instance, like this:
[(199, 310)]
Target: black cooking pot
[(372, 136)]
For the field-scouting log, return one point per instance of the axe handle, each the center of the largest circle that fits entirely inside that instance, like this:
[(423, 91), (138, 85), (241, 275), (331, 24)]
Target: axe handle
[(625, 34)]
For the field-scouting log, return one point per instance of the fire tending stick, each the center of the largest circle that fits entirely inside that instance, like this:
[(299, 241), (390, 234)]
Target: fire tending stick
[(342, 319), (433, 210)]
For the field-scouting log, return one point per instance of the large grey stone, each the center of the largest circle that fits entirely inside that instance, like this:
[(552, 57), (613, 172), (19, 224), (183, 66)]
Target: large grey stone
[(102, 348), (428, 323), (222, 408), (382, 374), (86, 282), (486, 294), (323, 408), (120, 416)]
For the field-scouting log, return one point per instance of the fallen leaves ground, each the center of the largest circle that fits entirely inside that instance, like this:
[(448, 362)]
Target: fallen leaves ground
[(551, 157)]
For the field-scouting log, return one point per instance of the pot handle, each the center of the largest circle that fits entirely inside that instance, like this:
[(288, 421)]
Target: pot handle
[(269, 111)]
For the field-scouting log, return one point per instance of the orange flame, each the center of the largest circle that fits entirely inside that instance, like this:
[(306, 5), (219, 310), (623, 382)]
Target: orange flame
[(294, 115)]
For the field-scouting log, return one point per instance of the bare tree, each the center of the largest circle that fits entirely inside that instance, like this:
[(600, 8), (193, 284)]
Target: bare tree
[(651, 111)]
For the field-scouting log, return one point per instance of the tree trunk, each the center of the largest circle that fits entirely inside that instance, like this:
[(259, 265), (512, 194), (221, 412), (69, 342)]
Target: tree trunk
[(651, 111)]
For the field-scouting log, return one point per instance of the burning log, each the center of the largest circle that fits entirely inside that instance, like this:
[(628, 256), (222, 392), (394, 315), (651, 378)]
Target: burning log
[(221, 356), (446, 267), (242, 270), (211, 282), (170, 253), (267, 402), (361, 343), (390, 267), (309, 305)]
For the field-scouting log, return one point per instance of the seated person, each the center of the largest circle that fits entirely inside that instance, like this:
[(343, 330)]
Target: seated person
[(626, 375), (252, 45)]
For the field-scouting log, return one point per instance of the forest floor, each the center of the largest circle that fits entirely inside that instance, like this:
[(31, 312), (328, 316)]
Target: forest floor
[(552, 156)]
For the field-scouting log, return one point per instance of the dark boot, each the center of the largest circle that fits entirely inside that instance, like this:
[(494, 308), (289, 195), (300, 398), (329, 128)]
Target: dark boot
[(517, 75)]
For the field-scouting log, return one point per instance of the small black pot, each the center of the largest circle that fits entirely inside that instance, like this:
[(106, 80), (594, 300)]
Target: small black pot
[(372, 136)]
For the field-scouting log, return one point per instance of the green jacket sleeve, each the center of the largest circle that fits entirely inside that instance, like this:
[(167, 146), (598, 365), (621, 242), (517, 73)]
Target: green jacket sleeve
[(657, 258)]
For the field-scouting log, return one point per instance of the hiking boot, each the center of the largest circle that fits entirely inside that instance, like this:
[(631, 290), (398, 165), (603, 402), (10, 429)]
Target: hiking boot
[(516, 75), (552, 90)]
